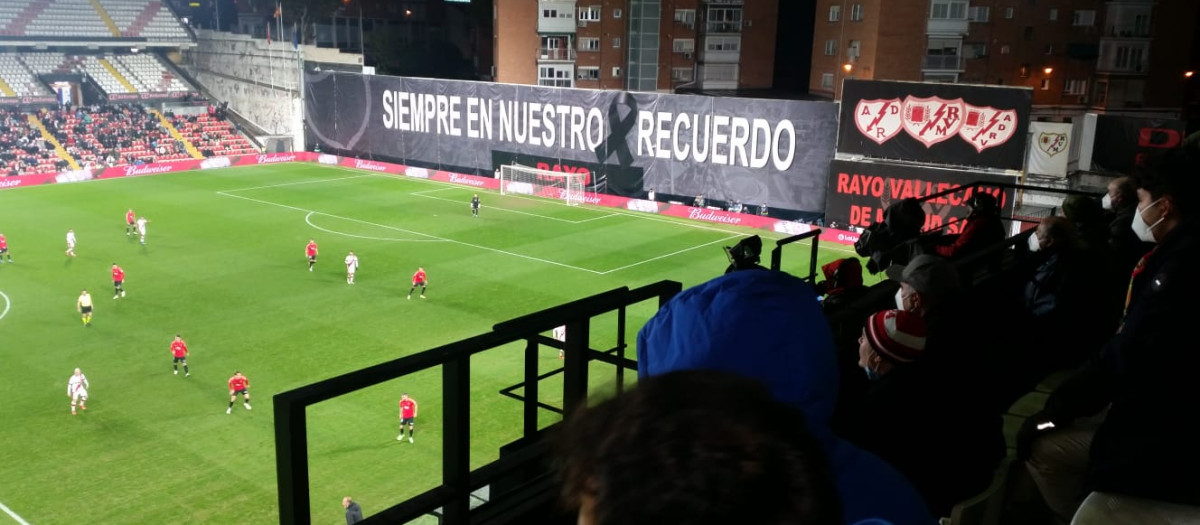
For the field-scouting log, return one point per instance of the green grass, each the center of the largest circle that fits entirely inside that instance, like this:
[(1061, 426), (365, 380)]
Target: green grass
[(224, 267)]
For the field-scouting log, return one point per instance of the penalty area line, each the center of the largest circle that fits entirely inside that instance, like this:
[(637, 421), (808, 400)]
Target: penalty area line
[(3, 507), (308, 220), (7, 305)]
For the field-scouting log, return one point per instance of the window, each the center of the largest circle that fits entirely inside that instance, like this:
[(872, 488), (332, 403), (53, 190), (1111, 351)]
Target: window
[(1008, 13), (835, 13), (1075, 87), (856, 13), (554, 76), (830, 47), (683, 74), (724, 19), (686, 16), (721, 72), (589, 73), (722, 43), (617, 13), (976, 50), (1053, 15), (1100, 93), (854, 50), (616, 72), (1005, 50), (1083, 17), (1028, 32), (1023, 71), (617, 43), (683, 45), (827, 80), (1045, 83), (948, 9), (549, 13), (1128, 58), (1049, 49), (979, 14), (589, 44), (589, 14)]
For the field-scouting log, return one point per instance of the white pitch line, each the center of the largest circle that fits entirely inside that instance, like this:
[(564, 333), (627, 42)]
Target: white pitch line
[(308, 219), (614, 211), (685, 250), (7, 510), (547, 217), (7, 305), (314, 181), (433, 237)]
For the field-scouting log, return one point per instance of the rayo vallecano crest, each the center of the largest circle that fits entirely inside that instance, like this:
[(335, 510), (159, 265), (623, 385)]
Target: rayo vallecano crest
[(878, 120), (1052, 143)]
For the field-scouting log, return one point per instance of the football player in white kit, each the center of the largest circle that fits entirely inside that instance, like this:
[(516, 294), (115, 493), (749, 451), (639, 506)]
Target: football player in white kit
[(71, 243), (141, 228), (77, 390), (351, 267)]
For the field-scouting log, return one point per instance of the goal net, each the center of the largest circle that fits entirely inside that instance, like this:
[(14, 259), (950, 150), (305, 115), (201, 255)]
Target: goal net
[(524, 180)]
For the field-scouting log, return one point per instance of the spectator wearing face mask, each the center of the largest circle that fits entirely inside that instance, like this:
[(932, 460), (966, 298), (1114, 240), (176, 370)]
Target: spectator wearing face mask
[(1121, 202), (1061, 300), (908, 418), (1122, 423)]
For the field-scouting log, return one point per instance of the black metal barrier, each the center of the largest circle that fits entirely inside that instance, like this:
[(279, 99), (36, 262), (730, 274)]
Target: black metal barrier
[(453, 495), (777, 253)]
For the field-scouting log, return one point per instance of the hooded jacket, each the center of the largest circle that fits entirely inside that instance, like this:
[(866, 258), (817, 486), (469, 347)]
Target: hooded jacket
[(768, 326)]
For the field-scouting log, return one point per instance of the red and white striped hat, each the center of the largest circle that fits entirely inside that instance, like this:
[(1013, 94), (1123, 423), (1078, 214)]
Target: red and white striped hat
[(897, 335)]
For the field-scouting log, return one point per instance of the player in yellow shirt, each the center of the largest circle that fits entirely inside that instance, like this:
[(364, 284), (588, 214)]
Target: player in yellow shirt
[(84, 306)]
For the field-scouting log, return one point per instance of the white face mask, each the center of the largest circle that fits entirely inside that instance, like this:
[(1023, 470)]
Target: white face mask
[(1106, 202), (1142, 229), (900, 300), (1034, 244)]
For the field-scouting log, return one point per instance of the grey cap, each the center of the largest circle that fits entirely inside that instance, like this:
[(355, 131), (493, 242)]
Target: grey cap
[(931, 276)]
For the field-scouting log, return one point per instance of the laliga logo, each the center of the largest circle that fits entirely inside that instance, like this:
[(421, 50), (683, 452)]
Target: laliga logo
[(642, 205), (271, 159), (215, 162), (148, 169), (463, 179), (326, 158), (73, 176), (711, 216), (368, 165)]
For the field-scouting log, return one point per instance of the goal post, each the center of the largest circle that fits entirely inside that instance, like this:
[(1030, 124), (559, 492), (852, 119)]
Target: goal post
[(524, 180)]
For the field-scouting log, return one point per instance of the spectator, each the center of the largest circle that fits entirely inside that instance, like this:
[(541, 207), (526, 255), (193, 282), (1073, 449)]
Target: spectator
[(1090, 225), (983, 228), (1122, 202), (652, 455), (698, 201), (1059, 299), (353, 510), (1145, 444), (907, 419), (767, 325)]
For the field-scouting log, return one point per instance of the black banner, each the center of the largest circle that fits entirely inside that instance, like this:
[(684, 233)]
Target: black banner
[(749, 150), (1122, 143), (952, 124), (860, 191)]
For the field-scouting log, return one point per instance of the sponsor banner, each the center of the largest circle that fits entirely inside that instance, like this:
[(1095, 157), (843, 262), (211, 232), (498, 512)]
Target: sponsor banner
[(937, 123), (269, 158), (859, 192), (124, 97), (149, 169), (21, 181), (32, 101), (371, 165), (215, 162), (73, 176), (743, 149), (1050, 150), (324, 158), (720, 217), (468, 180), (1123, 143)]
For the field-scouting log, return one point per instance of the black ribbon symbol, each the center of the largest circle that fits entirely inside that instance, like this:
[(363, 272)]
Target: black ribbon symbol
[(619, 128)]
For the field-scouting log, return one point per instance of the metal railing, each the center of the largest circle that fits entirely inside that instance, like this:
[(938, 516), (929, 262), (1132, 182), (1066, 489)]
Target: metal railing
[(723, 27), (453, 495), (556, 54), (942, 63)]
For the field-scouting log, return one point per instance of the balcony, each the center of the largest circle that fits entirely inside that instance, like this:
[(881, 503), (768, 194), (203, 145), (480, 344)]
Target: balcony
[(947, 26), (942, 63), (1127, 31), (723, 2), (720, 57), (556, 55), (723, 27)]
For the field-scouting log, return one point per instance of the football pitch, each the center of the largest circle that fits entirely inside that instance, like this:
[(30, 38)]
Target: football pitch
[(224, 267)]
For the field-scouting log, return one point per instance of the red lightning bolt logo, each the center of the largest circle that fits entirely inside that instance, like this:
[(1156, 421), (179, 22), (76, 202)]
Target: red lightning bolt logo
[(933, 121), (995, 119), (880, 115)]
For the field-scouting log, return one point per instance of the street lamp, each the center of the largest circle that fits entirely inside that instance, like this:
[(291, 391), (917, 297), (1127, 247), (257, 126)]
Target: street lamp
[(1048, 70), (848, 68), (1188, 74)]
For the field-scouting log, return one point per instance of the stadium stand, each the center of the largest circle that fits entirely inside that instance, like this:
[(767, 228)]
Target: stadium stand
[(212, 135), (16, 79), (139, 18), (107, 19)]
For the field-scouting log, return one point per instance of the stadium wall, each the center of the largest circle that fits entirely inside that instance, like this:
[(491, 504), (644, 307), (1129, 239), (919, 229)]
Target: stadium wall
[(596, 199)]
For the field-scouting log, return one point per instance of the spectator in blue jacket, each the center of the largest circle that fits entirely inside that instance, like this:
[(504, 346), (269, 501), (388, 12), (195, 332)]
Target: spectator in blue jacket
[(768, 326)]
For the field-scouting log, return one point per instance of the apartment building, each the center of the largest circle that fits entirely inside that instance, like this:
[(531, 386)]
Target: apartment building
[(1111, 56), (637, 45)]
